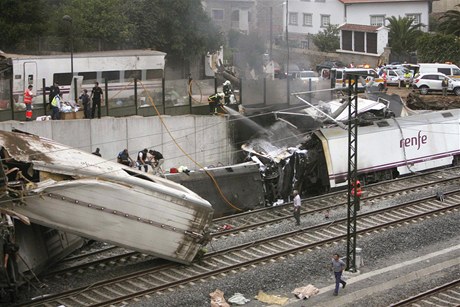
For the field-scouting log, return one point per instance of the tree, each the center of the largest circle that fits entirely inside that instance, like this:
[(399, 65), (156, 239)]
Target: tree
[(180, 28), (327, 40), (403, 35), (21, 19), (438, 48), (94, 22), (449, 23)]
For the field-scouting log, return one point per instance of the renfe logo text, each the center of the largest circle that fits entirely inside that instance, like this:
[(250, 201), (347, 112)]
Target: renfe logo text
[(414, 141)]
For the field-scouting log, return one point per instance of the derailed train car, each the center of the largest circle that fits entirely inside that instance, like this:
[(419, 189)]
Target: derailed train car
[(388, 148), (392, 147), (26, 250), (77, 192)]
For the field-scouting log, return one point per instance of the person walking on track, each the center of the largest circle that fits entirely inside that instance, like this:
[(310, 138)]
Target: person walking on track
[(338, 266), (297, 204)]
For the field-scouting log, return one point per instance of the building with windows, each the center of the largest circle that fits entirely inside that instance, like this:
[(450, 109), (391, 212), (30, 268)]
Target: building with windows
[(362, 22), (232, 14)]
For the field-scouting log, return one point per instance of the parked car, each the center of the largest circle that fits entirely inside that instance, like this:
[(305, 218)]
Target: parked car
[(292, 68), (395, 77), (306, 75), (329, 65), (431, 82)]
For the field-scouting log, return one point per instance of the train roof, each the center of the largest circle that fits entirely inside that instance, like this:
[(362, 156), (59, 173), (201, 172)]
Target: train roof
[(111, 53), (396, 123)]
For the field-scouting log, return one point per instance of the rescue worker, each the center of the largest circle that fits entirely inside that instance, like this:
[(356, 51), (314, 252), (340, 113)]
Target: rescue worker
[(444, 85), (142, 160), (124, 158), (156, 160), (228, 91), (214, 102), (357, 189), (55, 107), (28, 96), (385, 79), (407, 76), (297, 204)]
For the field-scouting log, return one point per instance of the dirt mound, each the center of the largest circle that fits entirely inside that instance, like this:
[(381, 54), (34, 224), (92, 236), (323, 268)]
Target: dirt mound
[(432, 101)]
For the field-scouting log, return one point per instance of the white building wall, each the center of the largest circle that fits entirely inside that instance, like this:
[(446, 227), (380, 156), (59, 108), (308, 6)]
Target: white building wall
[(333, 8), (355, 13), (361, 14), (382, 40)]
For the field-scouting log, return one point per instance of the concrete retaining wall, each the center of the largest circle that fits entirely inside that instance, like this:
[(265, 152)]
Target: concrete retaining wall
[(205, 138)]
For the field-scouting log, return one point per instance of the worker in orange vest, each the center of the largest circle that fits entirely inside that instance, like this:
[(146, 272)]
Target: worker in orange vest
[(359, 192), (28, 96)]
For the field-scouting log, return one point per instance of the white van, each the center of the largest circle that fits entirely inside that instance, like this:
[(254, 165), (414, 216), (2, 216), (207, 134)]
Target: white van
[(450, 70), (370, 77)]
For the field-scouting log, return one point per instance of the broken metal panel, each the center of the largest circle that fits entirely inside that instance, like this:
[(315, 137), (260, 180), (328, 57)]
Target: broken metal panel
[(241, 184)]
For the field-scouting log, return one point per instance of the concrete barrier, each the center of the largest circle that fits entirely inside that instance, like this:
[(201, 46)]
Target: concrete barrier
[(205, 138)]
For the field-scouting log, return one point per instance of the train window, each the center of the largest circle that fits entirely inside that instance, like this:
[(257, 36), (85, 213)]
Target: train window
[(88, 77), (383, 123), (131, 74), (111, 76), (153, 74), (63, 78), (447, 114), (17, 77)]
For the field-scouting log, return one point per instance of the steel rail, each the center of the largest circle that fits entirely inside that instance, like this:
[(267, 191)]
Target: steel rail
[(150, 281), (450, 298), (271, 215)]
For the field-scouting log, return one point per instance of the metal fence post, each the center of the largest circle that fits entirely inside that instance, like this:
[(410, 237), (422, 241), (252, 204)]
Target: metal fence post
[(75, 91), (265, 91), (189, 90), (215, 85), (11, 99), (106, 84), (163, 94), (241, 91), (44, 95), (135, 94)]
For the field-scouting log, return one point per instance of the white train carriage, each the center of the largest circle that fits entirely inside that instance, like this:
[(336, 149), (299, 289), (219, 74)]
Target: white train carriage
[(119, 68), (393, 147), (80, 193)]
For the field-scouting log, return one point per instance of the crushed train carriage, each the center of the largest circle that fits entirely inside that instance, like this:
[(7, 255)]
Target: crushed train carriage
[(73, 191)]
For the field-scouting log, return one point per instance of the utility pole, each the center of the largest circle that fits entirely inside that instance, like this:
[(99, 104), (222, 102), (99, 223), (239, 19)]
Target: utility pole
[(271, 33), (287, 47), (353, 200)]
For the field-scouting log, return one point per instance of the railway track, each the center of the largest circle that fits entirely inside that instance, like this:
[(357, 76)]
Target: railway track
[(373, 193), (246, 256), (445, 295), (271, 215)]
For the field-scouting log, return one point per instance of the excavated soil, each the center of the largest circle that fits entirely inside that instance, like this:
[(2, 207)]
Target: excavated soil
[(432, 101)]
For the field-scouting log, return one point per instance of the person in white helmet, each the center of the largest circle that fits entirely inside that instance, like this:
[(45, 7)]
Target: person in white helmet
[(214, 102), (228, 91)]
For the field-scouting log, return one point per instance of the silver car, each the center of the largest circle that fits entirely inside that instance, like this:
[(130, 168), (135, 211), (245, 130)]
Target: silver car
[(431, 82)]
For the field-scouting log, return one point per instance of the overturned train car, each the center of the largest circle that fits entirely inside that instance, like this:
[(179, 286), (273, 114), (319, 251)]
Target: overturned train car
[(79, 193), (386, 149)]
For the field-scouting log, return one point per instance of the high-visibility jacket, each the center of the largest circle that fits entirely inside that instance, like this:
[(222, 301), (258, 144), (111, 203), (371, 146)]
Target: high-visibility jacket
[(28, 95), (56, 102), (359, 192)]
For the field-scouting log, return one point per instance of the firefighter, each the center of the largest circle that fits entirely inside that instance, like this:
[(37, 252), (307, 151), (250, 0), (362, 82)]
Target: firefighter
[(214, 102), (228, 91), (28, 96)]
